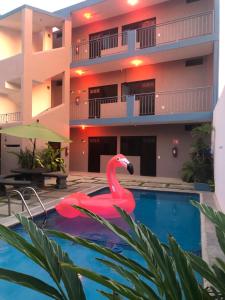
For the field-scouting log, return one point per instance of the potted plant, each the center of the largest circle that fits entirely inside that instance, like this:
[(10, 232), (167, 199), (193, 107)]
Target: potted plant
[(49, 158), (199, 169)]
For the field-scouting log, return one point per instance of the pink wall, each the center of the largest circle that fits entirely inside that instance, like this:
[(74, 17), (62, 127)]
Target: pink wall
[(170, 76), (163, 12), (167, 166), (8, 105), (10, 44)]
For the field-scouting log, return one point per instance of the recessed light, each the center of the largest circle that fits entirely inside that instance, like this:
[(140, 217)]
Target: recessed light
[(88, 15), (79, 72), (132, 2), (136, 62)]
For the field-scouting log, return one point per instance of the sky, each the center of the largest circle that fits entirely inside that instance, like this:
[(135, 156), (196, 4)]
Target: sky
[(49, 5)]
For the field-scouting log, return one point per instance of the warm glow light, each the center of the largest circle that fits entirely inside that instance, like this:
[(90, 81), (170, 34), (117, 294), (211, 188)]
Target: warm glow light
[(132, 2), (55, 29), (136, 62), (88, 15), (79, 72), (83, 127)]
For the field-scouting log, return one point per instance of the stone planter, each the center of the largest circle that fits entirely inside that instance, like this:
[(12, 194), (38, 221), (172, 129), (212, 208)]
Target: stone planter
[(204, 187)]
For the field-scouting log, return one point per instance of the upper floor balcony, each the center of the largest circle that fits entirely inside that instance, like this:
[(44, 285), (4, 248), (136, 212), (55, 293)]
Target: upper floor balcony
[(10, 118), (188, 105), (197, 28)]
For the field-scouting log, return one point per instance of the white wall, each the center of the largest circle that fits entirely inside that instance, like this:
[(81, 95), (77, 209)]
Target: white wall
[(219, 119)]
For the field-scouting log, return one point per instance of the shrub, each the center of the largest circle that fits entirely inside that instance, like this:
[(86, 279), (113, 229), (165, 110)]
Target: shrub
[(200, 167)]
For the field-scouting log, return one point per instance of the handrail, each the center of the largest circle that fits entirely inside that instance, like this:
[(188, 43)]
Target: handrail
[(10, 117), (174, 91), (211, 12), (38, 198), (23, 202), (104, 98)]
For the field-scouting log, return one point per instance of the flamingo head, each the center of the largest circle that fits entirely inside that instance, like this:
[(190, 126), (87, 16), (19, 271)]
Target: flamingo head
[(120, 160)]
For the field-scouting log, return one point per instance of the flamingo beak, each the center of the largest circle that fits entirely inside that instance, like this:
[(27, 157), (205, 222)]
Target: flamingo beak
[(130, 168)]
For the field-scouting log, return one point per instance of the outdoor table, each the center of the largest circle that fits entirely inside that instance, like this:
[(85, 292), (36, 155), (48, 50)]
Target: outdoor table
[(34, 175)]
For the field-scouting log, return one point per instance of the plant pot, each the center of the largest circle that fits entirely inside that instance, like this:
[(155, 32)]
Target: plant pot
[(200, 186)]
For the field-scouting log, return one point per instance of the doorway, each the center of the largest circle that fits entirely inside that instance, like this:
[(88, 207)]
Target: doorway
[(98, 146), (144, 92), (145, 33), (102, 40), (99, 95), (143, 146)]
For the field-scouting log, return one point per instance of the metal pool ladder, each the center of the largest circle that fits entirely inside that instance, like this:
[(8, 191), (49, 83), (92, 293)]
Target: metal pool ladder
[(24, 203)]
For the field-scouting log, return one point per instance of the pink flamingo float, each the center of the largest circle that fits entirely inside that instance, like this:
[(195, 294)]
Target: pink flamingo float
[(102, 205)]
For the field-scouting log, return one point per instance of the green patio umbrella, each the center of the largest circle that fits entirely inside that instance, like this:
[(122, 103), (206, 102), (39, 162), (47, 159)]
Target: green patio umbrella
[(35, 131)]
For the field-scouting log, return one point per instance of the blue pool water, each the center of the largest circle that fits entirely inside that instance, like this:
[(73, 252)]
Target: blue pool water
[(165, 213)]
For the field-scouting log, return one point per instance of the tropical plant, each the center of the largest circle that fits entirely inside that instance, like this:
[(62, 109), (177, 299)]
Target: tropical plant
[(25, 158), (49, 158), (169, 272), (49, 256), (200, 167)]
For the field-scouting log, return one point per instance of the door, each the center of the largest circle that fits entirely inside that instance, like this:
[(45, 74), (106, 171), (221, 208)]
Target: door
[(144, 92), (143, 146), (146, 33), (98, 146), (102, 40), (98, 95), (148, 156)]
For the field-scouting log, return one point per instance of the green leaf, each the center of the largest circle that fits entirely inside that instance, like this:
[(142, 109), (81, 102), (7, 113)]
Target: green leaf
[(149, 247), (140, 286), (107, 282), (71, 281), (188, 281), (54, 256), (49, 248), (216, 217), (113, 296), (30, 282), (18, 242), (107, 252)]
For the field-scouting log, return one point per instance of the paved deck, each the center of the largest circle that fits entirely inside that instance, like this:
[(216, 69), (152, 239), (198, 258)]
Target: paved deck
[(89, 182)]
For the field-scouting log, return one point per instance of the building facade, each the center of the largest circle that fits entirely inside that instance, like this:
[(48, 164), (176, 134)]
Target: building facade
[(130, 76)]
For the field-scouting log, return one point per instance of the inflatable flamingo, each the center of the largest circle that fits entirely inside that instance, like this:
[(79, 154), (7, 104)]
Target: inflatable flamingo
[(102, 205)]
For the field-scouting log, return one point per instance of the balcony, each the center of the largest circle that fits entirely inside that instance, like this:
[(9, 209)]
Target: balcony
[(135, 41), (153, 107), (10, 118)]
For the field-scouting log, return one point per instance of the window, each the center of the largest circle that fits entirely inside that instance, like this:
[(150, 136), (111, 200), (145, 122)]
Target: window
[(194, 62), (190, 1)]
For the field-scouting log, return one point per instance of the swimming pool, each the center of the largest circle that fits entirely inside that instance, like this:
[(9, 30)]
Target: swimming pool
[(164, 212)]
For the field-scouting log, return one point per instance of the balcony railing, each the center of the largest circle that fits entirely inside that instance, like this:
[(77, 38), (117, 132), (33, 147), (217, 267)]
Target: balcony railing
[(169, 32), (10, 117), (174, 102), (173, 31), (159, 103)]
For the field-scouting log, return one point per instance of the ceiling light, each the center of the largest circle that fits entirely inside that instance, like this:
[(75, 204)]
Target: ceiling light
[(88, 15), (132, 2), (136, 62), (79, 72), (54, 29)]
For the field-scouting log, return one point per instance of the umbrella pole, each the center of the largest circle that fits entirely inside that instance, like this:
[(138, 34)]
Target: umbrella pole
[(33, 154)]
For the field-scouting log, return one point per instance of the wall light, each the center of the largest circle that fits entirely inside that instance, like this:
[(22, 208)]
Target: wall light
[(80, 72), (83, 127), (132, 2), (136, 62), (88, 15)]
